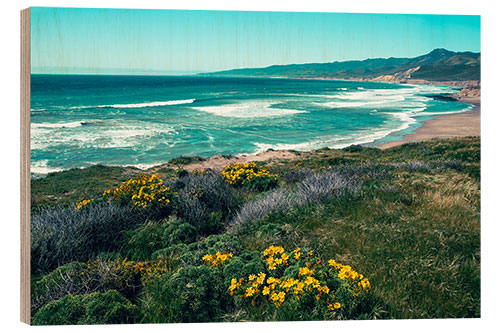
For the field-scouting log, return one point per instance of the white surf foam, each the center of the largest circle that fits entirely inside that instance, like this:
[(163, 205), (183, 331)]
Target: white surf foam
[(41, 167), (247, 110), (56, 125), (368, 102), (445, 112), (334, 142), (149, 104), (119, 135)]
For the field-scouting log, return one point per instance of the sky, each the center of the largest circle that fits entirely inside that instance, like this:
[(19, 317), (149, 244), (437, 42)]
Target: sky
[(131, 41)]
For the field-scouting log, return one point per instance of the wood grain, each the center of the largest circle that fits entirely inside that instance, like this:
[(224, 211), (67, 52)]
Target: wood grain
[(25, 164)]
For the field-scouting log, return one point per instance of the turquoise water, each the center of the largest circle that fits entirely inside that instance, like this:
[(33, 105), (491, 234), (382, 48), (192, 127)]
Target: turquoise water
[(82, 120)]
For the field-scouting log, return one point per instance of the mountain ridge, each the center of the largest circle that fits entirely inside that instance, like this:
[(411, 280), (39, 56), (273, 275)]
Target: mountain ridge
[(438, 65)]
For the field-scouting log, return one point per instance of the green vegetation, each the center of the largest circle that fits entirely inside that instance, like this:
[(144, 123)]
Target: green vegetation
[(439, 65), (184, 160), (68, 187), (96, 308), (406, 218)]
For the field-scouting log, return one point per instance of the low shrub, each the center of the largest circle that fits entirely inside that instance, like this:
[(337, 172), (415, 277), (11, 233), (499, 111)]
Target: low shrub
[(294, 285), (249, 175), (95, 308), (142, 191), (62, 235), (192, 294), (450, 164), (192, 254), (313, 189), (94, 276), (413, 166), (151, 236), (322, 185), (205, 200), (184, 160), (365, 171), (296, 175)]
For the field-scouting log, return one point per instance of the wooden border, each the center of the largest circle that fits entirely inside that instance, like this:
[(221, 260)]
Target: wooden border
[(25, 165)]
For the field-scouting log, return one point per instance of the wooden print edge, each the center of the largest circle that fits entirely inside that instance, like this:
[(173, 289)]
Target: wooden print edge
[(25, 165)]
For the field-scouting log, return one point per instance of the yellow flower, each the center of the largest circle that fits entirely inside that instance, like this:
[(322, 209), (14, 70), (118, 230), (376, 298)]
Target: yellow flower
[(250, 292), (304, 271)]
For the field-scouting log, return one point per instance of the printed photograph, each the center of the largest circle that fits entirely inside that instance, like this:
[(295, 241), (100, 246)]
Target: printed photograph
[(229, 166)]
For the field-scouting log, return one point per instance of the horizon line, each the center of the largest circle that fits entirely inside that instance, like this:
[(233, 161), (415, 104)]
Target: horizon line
[(161, 72)]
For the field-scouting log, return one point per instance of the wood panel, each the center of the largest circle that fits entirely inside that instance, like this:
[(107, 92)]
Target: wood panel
[(25, 164)]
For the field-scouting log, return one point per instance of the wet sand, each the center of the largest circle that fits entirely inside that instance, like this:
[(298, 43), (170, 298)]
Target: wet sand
[(447, 126)]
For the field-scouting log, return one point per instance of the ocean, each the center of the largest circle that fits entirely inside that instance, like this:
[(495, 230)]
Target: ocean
[(142, 121)]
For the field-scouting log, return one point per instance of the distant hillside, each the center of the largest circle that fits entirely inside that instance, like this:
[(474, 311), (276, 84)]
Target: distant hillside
[(437, 65)]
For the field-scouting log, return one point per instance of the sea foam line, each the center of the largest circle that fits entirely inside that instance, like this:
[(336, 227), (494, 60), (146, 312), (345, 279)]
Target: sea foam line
[(248, 110), (56, 125), (148, 104)]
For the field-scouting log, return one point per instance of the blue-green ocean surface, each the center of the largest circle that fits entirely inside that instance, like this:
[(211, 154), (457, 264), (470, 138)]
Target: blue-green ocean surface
[(82, 120)]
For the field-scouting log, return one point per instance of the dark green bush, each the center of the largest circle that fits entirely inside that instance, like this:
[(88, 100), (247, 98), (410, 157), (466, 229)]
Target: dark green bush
[(184, 160), (57, 284), (96, 308), (151, 236), (192, 254), (192, 294)]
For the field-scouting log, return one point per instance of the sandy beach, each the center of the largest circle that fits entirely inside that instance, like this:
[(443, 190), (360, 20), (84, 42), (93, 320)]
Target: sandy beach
[(447, 126)]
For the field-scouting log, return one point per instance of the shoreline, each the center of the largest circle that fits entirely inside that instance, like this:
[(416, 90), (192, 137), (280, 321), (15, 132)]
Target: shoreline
[(446, 126), (456, 125)]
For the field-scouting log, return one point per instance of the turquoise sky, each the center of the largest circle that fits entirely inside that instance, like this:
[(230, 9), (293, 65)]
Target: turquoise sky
[(117, 41)]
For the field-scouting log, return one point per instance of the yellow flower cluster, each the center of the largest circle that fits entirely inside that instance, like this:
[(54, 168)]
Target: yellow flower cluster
[(346, 273), (309, 281), (214, 260), (143, 191), (244, 173), (117, 267), (83, 203), (276, 256)]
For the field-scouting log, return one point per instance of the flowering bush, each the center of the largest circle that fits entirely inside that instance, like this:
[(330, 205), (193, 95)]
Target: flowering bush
[(297, 285), (83, 203), (249, 175), (143, 191), (217, 259)]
